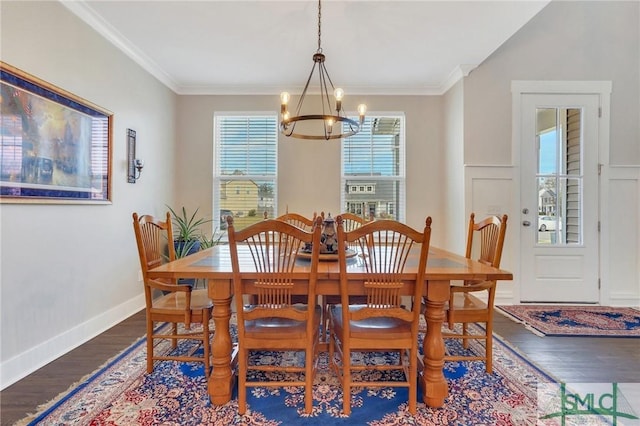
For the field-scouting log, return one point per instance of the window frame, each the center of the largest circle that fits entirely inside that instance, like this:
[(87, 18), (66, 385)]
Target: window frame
[(218, 177), (347, 181)]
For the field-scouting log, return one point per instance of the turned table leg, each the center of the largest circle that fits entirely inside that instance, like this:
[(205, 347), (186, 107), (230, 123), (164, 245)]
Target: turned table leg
[(221, 380), (434, 385)]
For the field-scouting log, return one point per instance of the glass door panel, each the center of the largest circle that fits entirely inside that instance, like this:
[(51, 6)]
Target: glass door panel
[(559, 176)]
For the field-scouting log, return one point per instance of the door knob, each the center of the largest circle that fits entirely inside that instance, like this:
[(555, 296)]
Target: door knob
[(526, 223)]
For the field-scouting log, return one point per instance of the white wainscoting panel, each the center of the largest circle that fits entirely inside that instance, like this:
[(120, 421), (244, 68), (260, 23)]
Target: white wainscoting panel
[(620, 236), (489, 190)]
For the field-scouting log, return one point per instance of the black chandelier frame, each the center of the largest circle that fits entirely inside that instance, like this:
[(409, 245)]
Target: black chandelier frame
[(328, 119)]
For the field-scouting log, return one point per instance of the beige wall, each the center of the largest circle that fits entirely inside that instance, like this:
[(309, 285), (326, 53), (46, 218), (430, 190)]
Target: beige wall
[(71, 271), (565, 41), (309, 171), (453, 147)]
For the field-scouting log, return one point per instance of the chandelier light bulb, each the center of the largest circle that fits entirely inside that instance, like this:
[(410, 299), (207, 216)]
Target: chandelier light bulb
[(362, 110), (338, 93), (284, 100), (329, 125)]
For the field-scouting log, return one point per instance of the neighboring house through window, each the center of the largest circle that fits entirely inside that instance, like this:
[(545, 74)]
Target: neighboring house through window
[(245, 167)]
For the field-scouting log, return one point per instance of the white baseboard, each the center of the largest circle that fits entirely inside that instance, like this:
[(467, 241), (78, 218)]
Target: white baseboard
[(628, 299), (32, 359)]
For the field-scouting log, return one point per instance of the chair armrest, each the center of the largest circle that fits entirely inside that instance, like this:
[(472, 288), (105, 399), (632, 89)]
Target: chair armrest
[(176, 288), (468, 287)]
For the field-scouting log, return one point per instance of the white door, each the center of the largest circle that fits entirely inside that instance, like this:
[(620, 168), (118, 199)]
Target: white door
[(559, 198)]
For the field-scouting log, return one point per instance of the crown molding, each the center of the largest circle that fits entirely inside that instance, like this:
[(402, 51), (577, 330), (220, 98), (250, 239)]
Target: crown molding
[(456, 75), (276, 90), (83, 10)]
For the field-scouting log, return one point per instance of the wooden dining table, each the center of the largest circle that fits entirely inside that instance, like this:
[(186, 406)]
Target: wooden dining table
[(443, 267)]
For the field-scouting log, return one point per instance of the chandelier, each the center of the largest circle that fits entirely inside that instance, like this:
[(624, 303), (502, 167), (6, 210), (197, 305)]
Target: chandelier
[(331, 123)]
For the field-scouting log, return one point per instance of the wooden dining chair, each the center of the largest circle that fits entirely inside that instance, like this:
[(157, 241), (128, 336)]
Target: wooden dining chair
[(385, 248), (301, 222), (350, 222), (298, 220), (273, 322), (178, 305), (486, 237)]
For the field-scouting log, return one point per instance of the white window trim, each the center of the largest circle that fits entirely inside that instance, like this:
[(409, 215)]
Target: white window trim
[(402, 177), (216, 176)]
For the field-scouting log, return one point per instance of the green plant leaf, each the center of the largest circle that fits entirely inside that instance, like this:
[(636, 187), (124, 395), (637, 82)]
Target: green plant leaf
[(187, 231), (187, 227), (207, 242)]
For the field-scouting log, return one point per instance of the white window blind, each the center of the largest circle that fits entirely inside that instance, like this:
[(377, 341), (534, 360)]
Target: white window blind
[(245, 167), (373, 168)]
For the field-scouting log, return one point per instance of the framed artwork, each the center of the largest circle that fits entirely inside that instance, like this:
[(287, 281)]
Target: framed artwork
[(55, 146)]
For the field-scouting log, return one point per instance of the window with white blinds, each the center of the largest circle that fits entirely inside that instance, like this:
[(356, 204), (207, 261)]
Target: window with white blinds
[(373, 169), (245, 167)]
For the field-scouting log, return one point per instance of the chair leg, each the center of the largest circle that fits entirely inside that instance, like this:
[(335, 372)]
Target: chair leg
[(465, 342), (206, 341), (308, 380), (332, 348), (149, 345), (174, 341), (325, 320), (242, 381), (346, 381), (413, 380), (489, 348)]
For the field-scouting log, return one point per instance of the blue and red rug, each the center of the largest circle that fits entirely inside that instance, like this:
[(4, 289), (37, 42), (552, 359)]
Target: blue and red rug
[(122, 393), (591, 321)]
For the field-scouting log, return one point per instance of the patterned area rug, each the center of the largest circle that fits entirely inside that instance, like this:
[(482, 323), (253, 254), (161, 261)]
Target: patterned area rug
[(121, 393), (591, 321)]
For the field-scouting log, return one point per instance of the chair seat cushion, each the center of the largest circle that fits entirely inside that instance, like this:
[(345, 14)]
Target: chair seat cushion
[(387, 327), (278, 328)]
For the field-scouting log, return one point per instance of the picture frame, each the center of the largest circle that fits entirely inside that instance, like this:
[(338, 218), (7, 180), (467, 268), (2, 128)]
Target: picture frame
[(55, 147)]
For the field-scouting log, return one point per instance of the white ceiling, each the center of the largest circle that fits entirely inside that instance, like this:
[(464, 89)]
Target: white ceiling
[(265, 47)]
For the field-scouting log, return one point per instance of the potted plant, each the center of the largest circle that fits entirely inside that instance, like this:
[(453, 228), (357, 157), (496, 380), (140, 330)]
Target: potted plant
[(188, 237), (187, 232)]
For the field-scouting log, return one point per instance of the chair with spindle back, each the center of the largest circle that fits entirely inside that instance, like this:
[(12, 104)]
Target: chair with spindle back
[(350, 221), (298, 220), (382, 324), (464, 307), (180, 304), (272, 322)]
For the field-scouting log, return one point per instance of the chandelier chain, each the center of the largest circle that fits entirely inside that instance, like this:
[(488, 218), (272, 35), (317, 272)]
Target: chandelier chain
[(319, 26), (327, 125)]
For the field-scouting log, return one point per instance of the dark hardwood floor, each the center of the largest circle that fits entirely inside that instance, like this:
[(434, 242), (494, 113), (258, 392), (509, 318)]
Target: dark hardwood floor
[(569, 359), (23, 397)]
